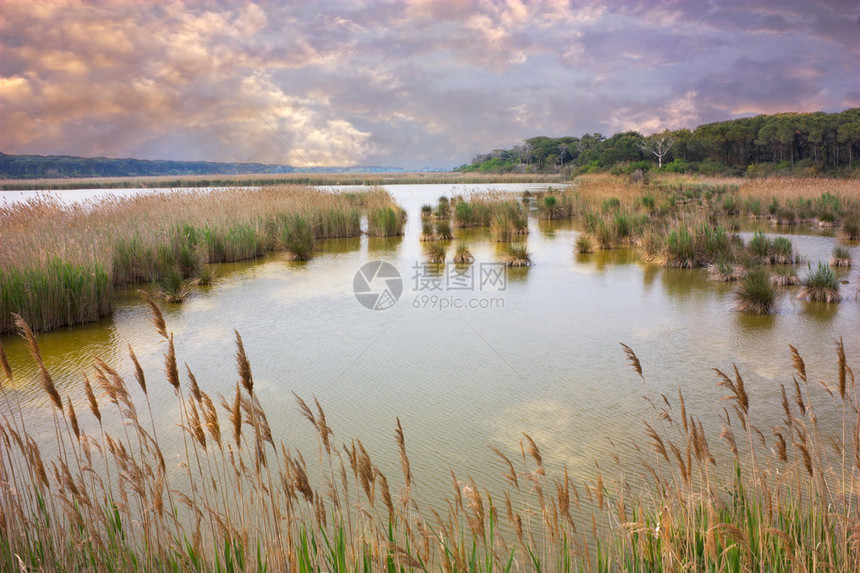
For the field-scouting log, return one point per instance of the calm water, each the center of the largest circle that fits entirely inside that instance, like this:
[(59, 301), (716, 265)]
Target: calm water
[(540, 356), (88, 195)]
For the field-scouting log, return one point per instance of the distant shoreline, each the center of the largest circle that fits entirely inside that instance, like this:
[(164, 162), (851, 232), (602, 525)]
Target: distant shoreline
[(166, 181)]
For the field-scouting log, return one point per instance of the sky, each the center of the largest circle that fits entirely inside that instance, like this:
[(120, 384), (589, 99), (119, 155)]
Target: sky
[(412, 84)]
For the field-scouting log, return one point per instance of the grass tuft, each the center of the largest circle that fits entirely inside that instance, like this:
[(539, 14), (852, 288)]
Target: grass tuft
[(841, 257), (516, 255), (584, 244), (756, 294), (820, 285), (435, 253), (462, 254)]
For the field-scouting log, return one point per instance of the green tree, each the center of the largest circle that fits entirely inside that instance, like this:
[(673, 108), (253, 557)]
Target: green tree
[(849, 133)]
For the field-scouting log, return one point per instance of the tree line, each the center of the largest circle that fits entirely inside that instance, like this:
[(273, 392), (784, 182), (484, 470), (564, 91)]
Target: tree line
[(800, 143), (67, 166), (61, 166)]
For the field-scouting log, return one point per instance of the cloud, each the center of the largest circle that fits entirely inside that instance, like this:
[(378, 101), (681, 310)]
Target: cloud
[(416, 83)]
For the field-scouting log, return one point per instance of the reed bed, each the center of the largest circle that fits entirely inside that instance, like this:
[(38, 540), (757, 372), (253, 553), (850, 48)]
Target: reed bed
[(61, 263), (384, 217), (827, 202), (316, 179), (554, 205), (776, 495)]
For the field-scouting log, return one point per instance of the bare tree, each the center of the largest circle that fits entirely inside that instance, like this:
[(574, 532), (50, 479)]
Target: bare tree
[(659, 145), (562, 151), (527, 148)]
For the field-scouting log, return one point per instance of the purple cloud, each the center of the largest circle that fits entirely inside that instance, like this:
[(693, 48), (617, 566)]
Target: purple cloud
[(416, 83)]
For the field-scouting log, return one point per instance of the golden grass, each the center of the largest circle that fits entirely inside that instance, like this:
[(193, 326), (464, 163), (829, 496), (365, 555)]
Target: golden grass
[(791, 188), (364, 179), (776, 495), (595, 188), (43, 229), (50, 249)]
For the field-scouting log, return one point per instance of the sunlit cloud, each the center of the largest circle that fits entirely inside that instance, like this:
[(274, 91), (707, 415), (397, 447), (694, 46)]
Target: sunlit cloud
[(412, 84)]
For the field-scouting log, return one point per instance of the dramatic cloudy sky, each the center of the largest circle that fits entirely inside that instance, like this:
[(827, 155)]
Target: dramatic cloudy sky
[(408, 83)]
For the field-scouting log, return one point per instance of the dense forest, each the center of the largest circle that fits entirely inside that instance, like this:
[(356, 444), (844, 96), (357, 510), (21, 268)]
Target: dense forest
[(791, 143), (66, 166), (54, 166)]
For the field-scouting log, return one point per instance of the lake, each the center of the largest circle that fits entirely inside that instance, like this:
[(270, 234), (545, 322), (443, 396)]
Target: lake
[(467, 356)]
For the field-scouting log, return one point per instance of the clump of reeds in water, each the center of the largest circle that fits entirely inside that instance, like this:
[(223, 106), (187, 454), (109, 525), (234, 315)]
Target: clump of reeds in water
[(296, 237), (464, 215), (476, 212), (385, 221), (116, 242), (462, 254), (443, 208), (820, 284), (502, 227), (435, 252), (426, 211), (756, 294), (557, 205), (440, 231), (520, 223), (725, 271), (680, 248), (548, 208), (776, 251), (54, 294), (173, 287), (516, 255), (583, 244), (841, 257), (508, 219), (782, 252), (603, 235), (694, 245), (427, 233), (850, 230), (784, 275), (443, 230)]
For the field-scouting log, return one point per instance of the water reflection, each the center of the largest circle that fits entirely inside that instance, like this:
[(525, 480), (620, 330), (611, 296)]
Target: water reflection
[(820, 312), (756, 322), (382, 246), (517, 274), (550, 228), (649, 274), (685, 285), (604, 258), (546, 362), (338, 246)]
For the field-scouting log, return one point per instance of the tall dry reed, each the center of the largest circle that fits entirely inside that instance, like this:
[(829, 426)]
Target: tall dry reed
[(764, 494), (60, 263)]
